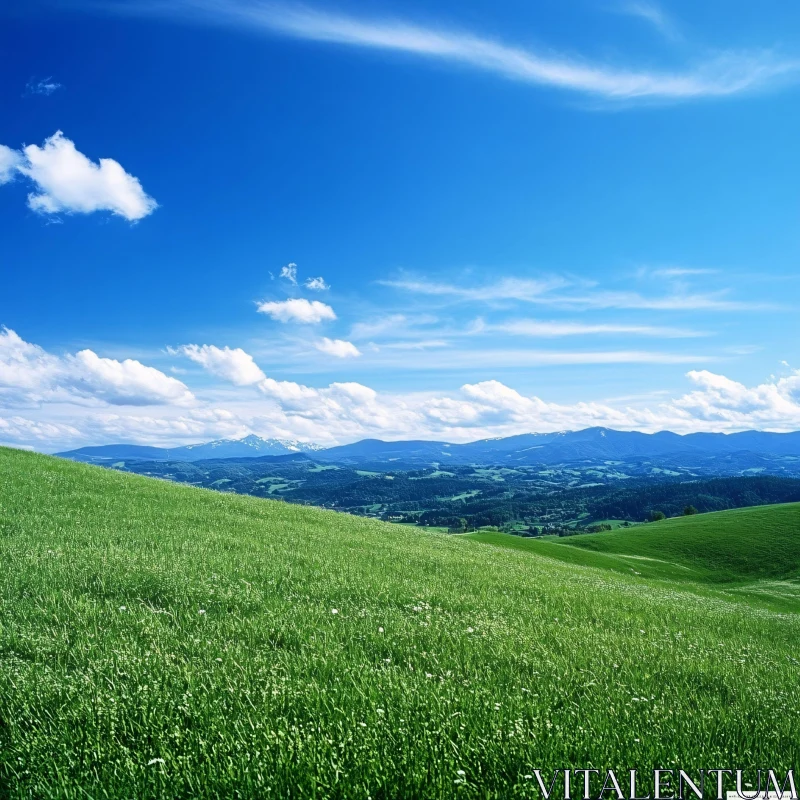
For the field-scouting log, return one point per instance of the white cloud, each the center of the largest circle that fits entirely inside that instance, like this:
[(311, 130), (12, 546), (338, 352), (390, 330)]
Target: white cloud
[(125, 382), (202, 424), (337, 348), (415, 344), (342, 412), (28, 374), (720, 401), (67, 181), (728, 74), (527, 289), (559, 293), (10, 161), (290, 273), (316, 284), (674, 302), (652, 14), (297, 310), (234, 365), (531, 327), (682, 272), (44, 86), (490, 408), (379, 326), (20, 430)]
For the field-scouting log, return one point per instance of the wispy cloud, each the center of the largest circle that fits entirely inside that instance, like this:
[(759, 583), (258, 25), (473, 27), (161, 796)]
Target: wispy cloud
[(654, 15), (316, 284), (555, 292), (674, 302), (43, 86), (289, 272), (444, 360), (681, 272), (725, 74), (530, 289), (421, 344), (543, 329)]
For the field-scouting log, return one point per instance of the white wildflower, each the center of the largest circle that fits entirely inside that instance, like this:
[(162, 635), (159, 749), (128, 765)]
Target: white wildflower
[(155, 761)]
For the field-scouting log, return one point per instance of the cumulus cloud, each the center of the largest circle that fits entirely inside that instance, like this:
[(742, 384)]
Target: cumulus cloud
[(10, 161), (66, 181), (196, 425), (316, 284), (297, 310), (28, 373), (125, 382), (289, 272), (234, 365), (720, 402), (347, 411), (18, 430), (337, 348)]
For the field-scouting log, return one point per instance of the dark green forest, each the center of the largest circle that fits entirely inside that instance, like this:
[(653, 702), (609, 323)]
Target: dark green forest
[(525, 500)]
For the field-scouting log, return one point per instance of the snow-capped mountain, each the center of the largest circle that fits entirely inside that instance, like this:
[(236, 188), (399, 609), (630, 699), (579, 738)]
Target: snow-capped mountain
[(249, 447)]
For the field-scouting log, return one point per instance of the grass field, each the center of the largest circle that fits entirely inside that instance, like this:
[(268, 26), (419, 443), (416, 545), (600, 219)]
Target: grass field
[(162, 641), (742, 544), (751, 553)]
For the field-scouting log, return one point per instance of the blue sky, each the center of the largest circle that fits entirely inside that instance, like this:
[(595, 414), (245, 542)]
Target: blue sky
[(520, 216)]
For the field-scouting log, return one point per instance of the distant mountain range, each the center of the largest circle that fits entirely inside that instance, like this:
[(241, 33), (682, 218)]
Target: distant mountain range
[(249, 447), (593, 444)]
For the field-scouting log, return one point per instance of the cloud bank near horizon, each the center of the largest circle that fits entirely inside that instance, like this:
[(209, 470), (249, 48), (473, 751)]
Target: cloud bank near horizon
[(52, 402)]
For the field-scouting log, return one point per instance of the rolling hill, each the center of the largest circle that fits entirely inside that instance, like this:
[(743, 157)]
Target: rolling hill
[(743, 544), (748, 550), (161, 640)]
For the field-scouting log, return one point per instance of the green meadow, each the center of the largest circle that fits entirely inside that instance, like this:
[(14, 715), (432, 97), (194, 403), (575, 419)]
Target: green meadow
[(159, 640)]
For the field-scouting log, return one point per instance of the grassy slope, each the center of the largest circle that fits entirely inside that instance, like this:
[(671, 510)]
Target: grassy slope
[(488, 661), (742, 544), (748, 553)]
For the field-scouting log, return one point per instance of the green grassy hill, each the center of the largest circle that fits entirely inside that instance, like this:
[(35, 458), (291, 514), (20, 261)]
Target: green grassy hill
[(751, 553), (739, 545), (163, 641)]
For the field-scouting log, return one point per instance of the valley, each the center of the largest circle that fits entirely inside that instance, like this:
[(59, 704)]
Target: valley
[(586, 480)]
